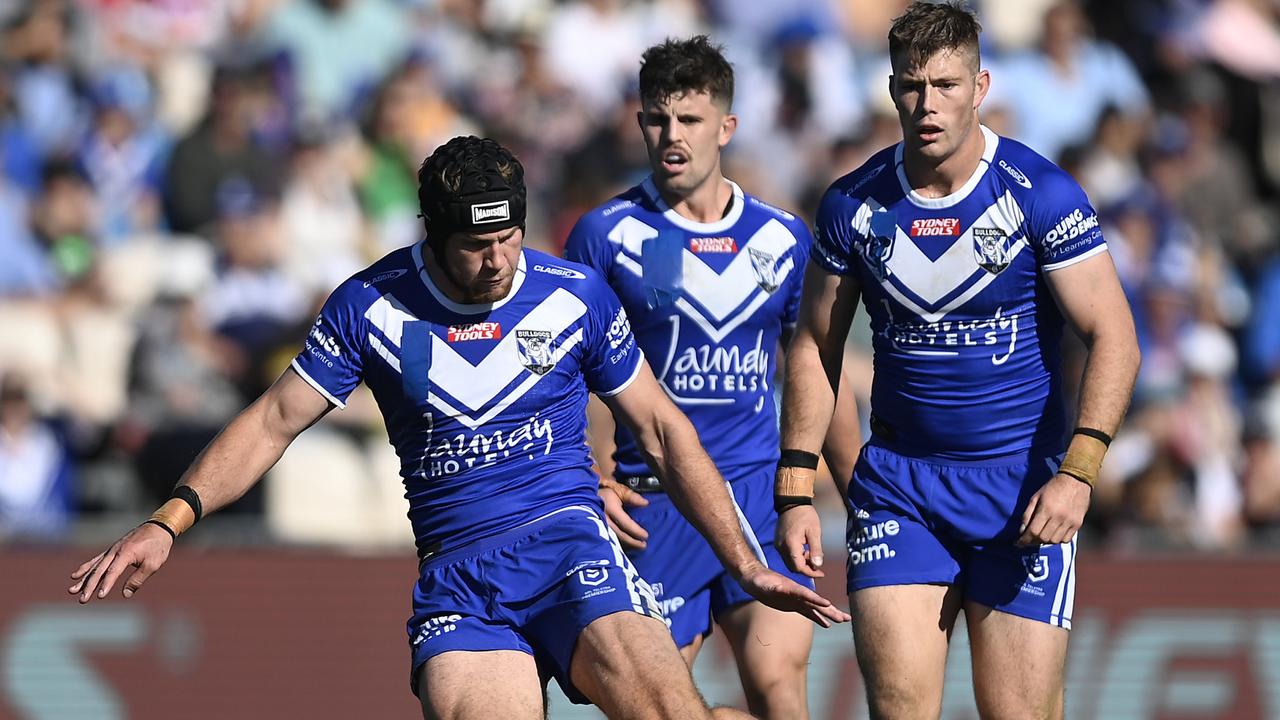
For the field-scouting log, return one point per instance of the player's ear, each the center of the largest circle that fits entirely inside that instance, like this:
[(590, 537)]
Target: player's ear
[(728, 127), (983, 84)]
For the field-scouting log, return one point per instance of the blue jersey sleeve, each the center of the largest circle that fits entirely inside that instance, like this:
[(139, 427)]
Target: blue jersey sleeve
[(833, 233), (332, 359), (612, 357), (587, 245), (804, 242), (1062, 227)]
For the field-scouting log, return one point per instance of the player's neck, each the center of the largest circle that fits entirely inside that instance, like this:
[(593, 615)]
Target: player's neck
[(444, 282), (940, 179), (708, 203)]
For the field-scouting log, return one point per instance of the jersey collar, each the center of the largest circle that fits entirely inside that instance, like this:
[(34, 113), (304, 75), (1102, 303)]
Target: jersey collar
[(946, 201), (684, 223), (465, 308)]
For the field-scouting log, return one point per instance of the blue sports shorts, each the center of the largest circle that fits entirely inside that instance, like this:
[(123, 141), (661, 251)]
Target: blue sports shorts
[(691, 585), (915, 520), (534, 588)]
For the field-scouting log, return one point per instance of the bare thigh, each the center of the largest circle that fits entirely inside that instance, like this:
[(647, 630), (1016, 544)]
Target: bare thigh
[(772, 651), (1018, 664), (900, 633), (462, 685), (627, 664)]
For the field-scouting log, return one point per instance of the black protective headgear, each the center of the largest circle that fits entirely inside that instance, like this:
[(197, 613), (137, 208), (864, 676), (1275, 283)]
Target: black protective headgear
[(470, 185)]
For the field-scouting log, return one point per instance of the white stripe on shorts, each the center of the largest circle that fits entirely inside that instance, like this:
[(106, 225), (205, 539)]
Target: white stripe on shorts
[(747, 531), (1064, 597), (624, 564)]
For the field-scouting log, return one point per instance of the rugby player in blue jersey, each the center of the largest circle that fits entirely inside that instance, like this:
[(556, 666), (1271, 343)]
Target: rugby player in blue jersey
[(710, 278), (969, 251), (480, 355)]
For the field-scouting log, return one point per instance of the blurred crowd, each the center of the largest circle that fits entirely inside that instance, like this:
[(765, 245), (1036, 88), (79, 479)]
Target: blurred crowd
[(182, 183)]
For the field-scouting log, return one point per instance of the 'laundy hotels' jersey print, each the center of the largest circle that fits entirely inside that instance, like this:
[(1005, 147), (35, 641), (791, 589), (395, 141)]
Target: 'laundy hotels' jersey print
[(966, 333), (733, 286), (485, 404)]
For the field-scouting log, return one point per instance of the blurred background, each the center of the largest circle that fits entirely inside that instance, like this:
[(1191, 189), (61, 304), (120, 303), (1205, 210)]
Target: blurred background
[(182, 182)]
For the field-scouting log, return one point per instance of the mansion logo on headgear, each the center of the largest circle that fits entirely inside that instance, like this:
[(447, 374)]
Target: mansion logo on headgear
[(490, 212)]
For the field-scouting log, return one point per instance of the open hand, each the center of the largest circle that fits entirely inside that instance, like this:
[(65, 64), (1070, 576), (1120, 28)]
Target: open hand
[(782, 593), (146, 548), (617, 498)]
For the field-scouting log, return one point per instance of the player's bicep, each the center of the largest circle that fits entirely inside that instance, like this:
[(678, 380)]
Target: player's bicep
[(642, 406), (1090, 297), (292, 405), (827, 306)]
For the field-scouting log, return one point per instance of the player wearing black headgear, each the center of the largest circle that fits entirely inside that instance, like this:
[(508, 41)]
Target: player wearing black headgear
[(480, 355), (472, 196)]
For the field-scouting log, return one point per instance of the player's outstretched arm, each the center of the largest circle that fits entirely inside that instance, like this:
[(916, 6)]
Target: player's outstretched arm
[(814, 361), (245, 449), (671, 445), (1092, 301)]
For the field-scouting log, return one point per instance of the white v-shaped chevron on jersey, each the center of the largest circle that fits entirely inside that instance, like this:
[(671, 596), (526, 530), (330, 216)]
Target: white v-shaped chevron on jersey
[(720, 293), (476, 385), (932, 280)]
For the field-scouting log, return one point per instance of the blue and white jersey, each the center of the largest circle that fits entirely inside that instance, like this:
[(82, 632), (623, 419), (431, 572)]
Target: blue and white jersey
[(484, 404), (966, 333), (713, 347)]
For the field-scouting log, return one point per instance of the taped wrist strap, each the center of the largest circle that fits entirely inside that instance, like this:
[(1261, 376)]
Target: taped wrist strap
[(1084, 456), (793, 483), (172, 535)]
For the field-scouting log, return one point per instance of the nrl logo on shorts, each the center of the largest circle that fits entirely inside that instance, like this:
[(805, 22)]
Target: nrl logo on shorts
[(534, 348), (762, 265), (593, 576), (1037, 567), (991, 249)]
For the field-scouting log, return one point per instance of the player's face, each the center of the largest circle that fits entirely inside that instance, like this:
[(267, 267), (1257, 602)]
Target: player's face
[(684, 135), (938, 102), (482, 267)]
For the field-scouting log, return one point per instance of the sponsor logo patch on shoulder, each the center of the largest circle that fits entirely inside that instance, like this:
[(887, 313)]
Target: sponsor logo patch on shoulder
[(475, 331), (383, 277), (935, 226), (1015, 173), (558, 271), (713, 245), (868, 177)]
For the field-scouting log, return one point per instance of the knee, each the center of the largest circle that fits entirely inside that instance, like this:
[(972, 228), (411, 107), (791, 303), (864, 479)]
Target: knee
[(1008, 704), (898, 698), (778, 692)]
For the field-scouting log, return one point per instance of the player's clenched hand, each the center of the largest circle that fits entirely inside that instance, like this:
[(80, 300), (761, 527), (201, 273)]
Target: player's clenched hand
[(146, 547), (1055, 512), (783, 593), (617, 498), (799, 540)]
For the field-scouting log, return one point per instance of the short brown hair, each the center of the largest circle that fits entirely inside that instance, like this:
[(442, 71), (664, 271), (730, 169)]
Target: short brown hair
[(676, 67), (928, 28)]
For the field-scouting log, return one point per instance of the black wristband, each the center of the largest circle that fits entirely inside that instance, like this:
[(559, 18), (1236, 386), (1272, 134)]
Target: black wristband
[(189, 496), (782, 503), (798, 458), (172, 535), (1095, 434)]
